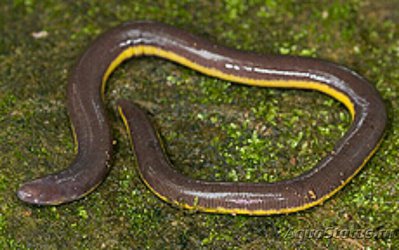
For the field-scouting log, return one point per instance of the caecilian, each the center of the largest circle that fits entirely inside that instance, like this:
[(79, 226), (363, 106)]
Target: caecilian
[(94, 141)]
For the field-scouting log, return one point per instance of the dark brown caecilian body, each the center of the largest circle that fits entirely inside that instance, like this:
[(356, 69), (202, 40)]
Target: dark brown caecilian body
[(88, 117)]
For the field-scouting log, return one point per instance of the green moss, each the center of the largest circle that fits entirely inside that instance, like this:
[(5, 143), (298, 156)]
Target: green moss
[(213, 130)]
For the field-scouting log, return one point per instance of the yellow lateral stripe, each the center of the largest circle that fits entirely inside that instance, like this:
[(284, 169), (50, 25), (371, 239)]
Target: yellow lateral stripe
[(244, 211), (132, 145), (154, 51)]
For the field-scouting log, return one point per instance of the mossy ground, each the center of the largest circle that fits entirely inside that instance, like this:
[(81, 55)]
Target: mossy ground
[(212, 129)]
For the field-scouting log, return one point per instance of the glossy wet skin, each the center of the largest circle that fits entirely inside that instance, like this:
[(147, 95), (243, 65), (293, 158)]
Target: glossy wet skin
[(88, 117)]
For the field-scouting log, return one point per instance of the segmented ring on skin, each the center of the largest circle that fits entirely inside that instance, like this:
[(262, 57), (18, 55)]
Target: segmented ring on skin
[(93, 136)]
